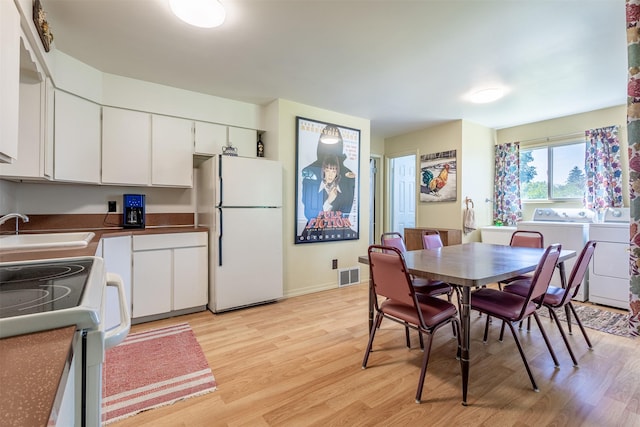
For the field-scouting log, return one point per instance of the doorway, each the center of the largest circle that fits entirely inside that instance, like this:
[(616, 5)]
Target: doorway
[(403, 192)]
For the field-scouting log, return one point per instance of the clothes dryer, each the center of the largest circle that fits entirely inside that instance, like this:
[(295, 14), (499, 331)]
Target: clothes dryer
[(609, 269)]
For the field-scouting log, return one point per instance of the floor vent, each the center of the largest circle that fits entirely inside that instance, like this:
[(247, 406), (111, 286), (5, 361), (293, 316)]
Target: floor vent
[(348, 276)]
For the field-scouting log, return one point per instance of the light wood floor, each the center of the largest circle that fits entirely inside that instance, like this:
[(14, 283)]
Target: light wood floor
[(298, 363)]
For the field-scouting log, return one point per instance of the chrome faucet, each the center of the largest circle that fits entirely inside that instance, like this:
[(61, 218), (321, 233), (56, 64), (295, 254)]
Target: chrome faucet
[(17, 216)]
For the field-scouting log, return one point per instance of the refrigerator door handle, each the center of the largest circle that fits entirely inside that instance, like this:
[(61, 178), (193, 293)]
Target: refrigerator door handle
[(220, 238), (219, 192)]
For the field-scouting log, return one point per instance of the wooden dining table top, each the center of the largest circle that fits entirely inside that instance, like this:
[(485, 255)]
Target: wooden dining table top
[(473, 264)]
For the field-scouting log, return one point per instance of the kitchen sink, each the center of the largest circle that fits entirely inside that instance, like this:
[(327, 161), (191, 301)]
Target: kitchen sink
[(31, 242)]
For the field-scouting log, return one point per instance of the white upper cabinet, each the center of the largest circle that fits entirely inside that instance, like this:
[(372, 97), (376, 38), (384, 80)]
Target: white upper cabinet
[(171, 152), (126, 147), (76, 139), (9, 80), (209, 138), (35, 136), (245, 140)]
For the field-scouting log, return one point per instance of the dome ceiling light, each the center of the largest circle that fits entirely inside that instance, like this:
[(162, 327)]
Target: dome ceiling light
[(199, 13), (487, 95)]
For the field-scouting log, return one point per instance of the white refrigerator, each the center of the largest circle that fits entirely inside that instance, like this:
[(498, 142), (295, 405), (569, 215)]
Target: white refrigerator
[(240, 200)]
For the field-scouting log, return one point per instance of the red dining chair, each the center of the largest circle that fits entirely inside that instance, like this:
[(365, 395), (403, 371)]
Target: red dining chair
[(431, 240), (512, 308), (422, 286), (558, 297), (525, 239), (392, 283)]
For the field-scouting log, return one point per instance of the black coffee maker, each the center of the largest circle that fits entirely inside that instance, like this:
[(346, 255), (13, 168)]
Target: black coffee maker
[(133, 214)]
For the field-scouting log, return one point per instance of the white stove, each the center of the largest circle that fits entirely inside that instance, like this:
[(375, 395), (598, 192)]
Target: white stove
[(48, 294), (609, 269), (570, 228)]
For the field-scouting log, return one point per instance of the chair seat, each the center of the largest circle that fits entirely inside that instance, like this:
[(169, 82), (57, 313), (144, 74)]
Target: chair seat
[(502, 304), (430, 287), (434, 310), (553, 297)]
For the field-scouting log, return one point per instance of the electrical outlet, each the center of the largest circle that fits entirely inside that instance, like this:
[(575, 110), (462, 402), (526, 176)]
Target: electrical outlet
[(334, 264), (112, 206)]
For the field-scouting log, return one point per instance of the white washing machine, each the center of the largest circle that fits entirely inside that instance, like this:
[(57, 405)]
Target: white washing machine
[(609, 269), (570, 228)]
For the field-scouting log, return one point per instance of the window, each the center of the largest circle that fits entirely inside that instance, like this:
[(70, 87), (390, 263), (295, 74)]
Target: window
[(560, 165)]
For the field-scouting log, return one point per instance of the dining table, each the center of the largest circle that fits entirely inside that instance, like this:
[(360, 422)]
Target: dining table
[(468, 266)]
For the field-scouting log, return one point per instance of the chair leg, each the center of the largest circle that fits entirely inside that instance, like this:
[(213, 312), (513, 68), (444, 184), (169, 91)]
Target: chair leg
[(524, 358), (568, 315), (486, 329), (546, 338), (423, 371), (502, 331), (584, 332), (376, 325), (407, 336), (564, 337)]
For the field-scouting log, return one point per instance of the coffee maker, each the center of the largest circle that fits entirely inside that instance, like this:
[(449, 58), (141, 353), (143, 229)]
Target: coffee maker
[(133, 213)]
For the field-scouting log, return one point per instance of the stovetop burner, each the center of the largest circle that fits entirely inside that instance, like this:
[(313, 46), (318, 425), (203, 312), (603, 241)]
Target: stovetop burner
[(36, 288)]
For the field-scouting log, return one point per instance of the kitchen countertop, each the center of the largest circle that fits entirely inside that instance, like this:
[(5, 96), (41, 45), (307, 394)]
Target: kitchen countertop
[(90, 249), (32, 367)]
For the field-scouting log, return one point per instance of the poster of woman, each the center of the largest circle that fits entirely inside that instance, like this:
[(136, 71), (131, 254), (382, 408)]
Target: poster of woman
[(327, 166)]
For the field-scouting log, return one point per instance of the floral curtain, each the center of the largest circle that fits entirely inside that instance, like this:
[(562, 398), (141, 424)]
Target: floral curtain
[(603, 168), (633, 135), (507, 208)]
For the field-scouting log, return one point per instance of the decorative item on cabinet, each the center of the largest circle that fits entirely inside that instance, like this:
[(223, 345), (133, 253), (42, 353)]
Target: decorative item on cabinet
[(229, 150), (260, 148), (44, 31)]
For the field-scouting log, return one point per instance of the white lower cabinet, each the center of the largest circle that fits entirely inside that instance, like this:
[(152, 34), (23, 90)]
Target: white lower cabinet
[(170, 273)]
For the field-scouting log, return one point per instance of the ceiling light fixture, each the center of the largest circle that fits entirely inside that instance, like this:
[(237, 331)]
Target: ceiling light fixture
[(484, 96), (199, 13)]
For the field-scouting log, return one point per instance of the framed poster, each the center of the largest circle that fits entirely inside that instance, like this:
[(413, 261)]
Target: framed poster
[(438, 177), (327, 182)]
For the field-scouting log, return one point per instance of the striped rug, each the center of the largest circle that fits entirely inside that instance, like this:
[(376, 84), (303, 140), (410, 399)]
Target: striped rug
[(151, 369)]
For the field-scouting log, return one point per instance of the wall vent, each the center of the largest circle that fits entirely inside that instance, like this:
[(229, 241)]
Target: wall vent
[(349, 276)]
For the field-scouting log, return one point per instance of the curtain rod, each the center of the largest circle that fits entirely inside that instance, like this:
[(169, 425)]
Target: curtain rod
[(553, 138)]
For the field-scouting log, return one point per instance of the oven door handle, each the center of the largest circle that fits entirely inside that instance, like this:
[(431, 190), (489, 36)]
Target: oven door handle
[(115, 336)]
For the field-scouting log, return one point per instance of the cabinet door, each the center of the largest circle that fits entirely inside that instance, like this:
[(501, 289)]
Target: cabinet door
[(209, 138), (30, 159), (77, 139), (9, 80), (152, 277), (246, 140), (126, 146), (171, 152), (190, 277)]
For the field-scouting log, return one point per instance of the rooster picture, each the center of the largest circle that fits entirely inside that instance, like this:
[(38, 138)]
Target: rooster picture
[(435, 184)]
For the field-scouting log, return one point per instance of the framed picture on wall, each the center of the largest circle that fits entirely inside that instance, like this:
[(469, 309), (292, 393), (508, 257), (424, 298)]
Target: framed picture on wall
[(327, 182), (438, 177)]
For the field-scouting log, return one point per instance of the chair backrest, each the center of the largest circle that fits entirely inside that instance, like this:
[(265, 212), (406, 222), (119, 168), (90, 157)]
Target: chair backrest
[(542, 276), (389, 274), (431, 241), (393, 239), (578, 271), (527, 239)]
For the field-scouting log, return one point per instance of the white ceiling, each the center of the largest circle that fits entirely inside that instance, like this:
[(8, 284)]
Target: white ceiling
[(405, 65)]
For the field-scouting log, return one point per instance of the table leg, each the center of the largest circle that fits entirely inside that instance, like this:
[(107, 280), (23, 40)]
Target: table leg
[(563, 275), (465, 320)]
